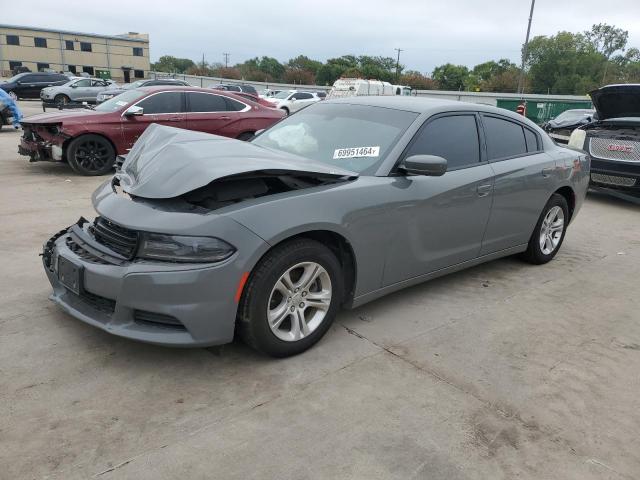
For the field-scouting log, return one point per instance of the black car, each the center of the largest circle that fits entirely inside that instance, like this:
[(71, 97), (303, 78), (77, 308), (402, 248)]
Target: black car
[(560, 128), (613, 140), (112, 92), (28, 85), (236, 88)]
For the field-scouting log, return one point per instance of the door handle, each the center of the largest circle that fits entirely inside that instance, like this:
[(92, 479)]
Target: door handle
[(174, 119), (225, 118), (547, 171), (484, 190)]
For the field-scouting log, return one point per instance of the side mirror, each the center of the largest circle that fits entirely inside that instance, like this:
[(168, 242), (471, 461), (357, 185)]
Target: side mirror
[(74, 86), (133, 110), (430, 165)]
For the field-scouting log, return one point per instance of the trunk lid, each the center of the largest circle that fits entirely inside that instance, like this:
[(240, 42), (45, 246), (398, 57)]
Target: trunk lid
[(167, 162)]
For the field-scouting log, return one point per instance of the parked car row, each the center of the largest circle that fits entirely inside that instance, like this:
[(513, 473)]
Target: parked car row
[(29, 85)]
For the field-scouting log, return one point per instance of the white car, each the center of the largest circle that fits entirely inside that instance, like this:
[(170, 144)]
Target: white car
[(292, 100)]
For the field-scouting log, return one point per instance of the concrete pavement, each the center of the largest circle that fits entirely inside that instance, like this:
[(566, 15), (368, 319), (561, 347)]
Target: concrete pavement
[(503, 371)]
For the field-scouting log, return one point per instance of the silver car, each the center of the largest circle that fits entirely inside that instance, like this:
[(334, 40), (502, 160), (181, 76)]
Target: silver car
[(199, 237), (77, 90)]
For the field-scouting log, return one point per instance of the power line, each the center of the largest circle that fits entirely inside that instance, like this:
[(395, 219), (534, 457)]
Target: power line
[(226, 59), (398, 63)]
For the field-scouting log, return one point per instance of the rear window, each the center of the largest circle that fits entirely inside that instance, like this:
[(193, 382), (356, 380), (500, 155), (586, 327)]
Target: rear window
[(504, 138), (250, 89)]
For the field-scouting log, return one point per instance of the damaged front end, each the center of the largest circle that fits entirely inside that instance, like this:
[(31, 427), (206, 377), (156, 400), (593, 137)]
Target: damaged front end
[(42, 142), (186, 170)]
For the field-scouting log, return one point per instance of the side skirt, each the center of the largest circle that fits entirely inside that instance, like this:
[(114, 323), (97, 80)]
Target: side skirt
[(367, 297)]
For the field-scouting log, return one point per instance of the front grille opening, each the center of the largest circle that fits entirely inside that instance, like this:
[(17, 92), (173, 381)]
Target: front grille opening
[(97, 302), (119, 239), (82, 252), (152, 319), (613, 180)]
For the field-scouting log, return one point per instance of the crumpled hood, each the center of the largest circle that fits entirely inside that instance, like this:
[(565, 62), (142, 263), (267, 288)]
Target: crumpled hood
[(84, 115), (615, 101), (167, 162)]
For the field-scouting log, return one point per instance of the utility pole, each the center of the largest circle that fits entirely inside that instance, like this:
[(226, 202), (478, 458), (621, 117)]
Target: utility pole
[(525, 51), (203, 61), (398, 64), (226, 60)]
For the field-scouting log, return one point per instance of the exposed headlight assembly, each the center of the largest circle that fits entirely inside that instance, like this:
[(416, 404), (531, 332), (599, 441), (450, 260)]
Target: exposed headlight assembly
[(184, 249), (577, 138)]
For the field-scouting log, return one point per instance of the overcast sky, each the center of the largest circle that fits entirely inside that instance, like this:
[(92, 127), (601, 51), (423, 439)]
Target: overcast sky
[(431, 32)]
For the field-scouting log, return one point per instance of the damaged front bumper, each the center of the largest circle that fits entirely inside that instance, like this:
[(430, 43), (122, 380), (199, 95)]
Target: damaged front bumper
[(39, 148), (154, 302)]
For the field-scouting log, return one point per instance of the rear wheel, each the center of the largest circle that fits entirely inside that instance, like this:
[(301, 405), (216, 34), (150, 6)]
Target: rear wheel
[(91, 155), (61, 99), (291, 298), (548, 235)]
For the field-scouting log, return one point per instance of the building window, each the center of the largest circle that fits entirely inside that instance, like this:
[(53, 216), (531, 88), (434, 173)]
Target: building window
[(138, 73), (13, 40), (69, 44), (137, 51), (85, 46), (88, 70), (13, 64), (40, 42), (42, 66), (71, 68)]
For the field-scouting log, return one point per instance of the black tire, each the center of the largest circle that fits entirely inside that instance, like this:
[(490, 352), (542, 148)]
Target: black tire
[(252, 320), (534, 253), (246, 136), (91, 155), (61, 99), (286, 110)]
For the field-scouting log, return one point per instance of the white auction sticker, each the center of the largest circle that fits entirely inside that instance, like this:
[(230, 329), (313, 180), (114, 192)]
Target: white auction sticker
[(356, 152)]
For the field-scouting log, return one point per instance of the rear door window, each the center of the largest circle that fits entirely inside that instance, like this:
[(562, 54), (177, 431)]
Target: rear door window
[(505, 138), (302, 96), (206, 102), (453, 137), (165, 102), (532, 140)]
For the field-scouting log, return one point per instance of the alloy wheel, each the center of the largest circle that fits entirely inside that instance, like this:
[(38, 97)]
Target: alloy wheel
[(299, 301), (93, 155), (551, 230)]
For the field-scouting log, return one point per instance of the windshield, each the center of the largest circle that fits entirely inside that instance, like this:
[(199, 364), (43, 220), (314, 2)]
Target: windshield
[(353, 137), (574, 115), (282, 95), (119, 101)]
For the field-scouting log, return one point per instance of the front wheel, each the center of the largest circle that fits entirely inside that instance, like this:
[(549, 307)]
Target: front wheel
[(61, 100), (91, 155), (291, 298), (548, 235), (13, 96)]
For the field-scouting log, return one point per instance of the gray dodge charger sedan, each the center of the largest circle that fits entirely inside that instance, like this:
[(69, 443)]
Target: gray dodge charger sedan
[(199, 236)]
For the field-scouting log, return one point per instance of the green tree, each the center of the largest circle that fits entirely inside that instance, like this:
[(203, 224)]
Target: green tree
[(168, 63), (417, 80), (450, 77), (301, 62)]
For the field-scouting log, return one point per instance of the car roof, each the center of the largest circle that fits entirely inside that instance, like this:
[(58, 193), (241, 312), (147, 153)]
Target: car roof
[(184, 88), (423, 105)]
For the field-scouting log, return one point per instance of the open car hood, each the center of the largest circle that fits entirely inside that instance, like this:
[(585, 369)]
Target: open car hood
[(167, 162), (617, 101)]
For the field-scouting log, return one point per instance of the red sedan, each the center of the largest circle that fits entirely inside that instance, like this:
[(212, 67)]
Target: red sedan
[(90, 139)]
